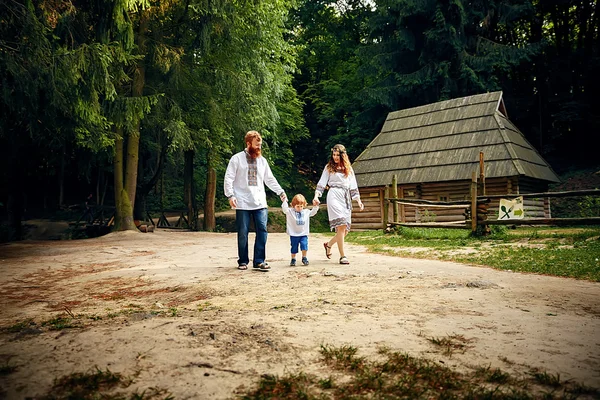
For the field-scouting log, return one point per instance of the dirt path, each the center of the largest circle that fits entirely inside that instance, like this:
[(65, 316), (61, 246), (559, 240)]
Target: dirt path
[(171, 307)]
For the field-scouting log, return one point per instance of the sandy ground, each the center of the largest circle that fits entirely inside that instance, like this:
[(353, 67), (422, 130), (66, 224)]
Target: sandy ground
[(170, 309)]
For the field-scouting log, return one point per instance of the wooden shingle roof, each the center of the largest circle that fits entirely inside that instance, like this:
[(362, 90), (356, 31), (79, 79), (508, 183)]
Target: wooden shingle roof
[(441, 142)]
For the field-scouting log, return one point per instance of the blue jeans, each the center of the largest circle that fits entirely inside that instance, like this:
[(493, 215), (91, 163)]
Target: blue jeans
[(242, 221)]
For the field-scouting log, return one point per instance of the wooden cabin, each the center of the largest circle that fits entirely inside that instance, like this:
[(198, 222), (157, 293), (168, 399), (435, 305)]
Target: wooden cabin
[(434, 150)]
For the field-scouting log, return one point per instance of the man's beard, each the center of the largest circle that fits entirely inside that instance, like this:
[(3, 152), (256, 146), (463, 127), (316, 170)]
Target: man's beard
[(254, 152)]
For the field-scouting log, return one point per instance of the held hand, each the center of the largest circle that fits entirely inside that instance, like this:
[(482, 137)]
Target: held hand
[(283, 197), (316, 202), (233, 202)]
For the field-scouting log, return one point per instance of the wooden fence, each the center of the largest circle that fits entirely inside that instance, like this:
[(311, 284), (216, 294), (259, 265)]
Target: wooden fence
[(477, 209)]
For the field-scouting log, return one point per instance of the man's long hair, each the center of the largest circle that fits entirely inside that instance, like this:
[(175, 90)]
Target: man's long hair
[(249, 138), (345, 165)]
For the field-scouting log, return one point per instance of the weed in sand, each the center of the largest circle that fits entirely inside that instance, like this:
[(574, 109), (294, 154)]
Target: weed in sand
[(19, 326), (342, 357), (547, 379), (60, 323), (402, 376), (451, 343), (292, 387), (495, 375), (7, 369), (99, 384)]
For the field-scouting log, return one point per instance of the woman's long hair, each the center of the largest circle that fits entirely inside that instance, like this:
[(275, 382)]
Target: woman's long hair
[(344, 161)]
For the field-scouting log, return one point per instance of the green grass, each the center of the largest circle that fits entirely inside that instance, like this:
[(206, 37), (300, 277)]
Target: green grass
[(19, 326), (398, 375), (565, 252), (59, 323)]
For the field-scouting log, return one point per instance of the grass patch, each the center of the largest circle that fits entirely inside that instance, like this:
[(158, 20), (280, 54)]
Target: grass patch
[(59, 323), (401, 376), (451, 343), (565, 252), (7, 369), (19, 326), (99, 384)]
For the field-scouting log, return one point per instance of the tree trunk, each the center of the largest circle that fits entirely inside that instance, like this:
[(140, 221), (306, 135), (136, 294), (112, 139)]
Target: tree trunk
[(61, 180), (210, 222), (139, 209), (14, 207), (123, 205), (15, 202), (188, 187), (131, 164), (145, 188), (127, 189)]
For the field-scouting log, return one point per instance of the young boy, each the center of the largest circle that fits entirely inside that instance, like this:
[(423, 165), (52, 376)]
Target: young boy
[(297, 225)]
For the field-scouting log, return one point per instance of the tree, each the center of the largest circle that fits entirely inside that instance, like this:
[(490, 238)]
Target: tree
[(564, 116), (52, 81), (329, 34)]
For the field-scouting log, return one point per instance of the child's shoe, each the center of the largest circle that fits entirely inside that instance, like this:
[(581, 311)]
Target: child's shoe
[(293, 262), (304, 260)]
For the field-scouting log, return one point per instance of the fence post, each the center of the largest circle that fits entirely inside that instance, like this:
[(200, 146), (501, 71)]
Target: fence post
[(481, 174), (474, 202), (386, 207), (395, 196)]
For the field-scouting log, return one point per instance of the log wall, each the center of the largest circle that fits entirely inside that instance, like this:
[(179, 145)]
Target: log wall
[(372, 215), (535, 208)]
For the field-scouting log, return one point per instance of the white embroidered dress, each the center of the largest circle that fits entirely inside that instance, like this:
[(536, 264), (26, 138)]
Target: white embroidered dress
[(342, 190)]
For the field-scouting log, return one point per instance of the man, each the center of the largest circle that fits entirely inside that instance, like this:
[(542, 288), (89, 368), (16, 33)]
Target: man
[(247, 174)]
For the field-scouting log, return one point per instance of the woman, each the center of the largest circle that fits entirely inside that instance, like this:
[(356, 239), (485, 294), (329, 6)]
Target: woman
[(339, 176)]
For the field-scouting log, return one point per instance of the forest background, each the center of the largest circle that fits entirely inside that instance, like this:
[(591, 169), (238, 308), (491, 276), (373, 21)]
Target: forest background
[(139, 104)]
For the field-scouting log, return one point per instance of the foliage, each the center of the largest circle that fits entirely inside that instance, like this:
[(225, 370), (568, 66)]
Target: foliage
[(577, 207)]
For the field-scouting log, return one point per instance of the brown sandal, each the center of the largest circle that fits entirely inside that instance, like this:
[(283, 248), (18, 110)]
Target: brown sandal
[(327, 250), (344, 260)]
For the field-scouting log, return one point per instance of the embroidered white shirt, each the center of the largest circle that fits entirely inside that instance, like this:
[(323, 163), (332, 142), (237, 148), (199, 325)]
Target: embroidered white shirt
[(298, 223), (236, 183)]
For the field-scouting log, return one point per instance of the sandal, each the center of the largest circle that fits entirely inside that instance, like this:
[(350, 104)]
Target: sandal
[(327, 250), (242, 267), (344, 260)]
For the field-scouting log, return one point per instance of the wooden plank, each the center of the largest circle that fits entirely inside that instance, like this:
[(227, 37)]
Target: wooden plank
[(395, 194), (474, 202), (461, 225), (421, 201), (365, 214), (371, 202), (366, 226), (386, 207), (445, 218), (571, 193), (366, 220)]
